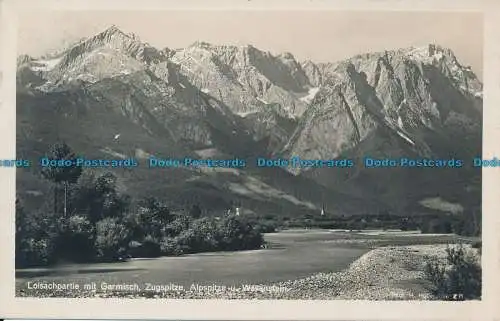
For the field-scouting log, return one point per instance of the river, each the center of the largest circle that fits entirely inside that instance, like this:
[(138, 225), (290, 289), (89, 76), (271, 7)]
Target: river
[(292, 254)]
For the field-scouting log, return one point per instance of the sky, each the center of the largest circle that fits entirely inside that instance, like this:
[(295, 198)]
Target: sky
[(321, 36)]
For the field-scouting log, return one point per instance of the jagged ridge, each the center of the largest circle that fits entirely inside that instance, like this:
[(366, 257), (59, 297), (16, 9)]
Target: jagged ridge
[(411, 100)]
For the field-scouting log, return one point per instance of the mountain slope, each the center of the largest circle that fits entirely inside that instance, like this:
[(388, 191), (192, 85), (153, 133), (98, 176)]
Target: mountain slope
[(151, 109), (418, 103), (241, 102)]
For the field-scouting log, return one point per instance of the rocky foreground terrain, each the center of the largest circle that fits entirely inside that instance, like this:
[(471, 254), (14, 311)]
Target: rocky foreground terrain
[(386, 273)]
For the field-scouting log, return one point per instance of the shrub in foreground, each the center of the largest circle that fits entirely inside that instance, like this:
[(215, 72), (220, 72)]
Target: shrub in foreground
[(36, 236), (112, 238), (459, 278), (32, 252), (75, 232)]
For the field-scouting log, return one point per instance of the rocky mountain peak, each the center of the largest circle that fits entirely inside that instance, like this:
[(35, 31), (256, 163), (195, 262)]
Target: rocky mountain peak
[(287, 55), (115, 31), (201, 44), (410, 92), (112, 30), (428, 53), (23, 59), (241, 100), (114, 39), (109, 53)]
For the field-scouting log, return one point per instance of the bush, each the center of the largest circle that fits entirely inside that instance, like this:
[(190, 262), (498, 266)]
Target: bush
[(227, 234), (32, 247), (75, 240), (35, 237), (459, 279), (179, 224), (152, 219), (149, 247), (267, 226), (171, 247), (205, 232), (187, 241), (33, 252), (469, 223), (235, 233), (201, 236), (112, 238)]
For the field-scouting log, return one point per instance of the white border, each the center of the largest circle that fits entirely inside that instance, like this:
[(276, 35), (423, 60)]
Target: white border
[(12, 307)]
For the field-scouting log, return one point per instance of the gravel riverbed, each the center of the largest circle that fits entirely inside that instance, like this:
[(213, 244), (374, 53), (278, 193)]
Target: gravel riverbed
[(385, 273)]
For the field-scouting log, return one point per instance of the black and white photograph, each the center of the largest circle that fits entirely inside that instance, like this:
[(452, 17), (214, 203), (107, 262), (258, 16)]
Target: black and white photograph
[(251, 160), (245, 155)]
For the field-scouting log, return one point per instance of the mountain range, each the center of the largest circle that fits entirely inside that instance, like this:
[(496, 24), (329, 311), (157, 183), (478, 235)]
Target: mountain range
[(224, 101)]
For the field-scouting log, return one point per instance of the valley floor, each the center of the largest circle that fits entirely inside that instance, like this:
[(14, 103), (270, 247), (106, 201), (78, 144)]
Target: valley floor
[(384, 273)]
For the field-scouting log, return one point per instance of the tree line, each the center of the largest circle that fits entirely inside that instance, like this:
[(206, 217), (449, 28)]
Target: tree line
[(467, 223)]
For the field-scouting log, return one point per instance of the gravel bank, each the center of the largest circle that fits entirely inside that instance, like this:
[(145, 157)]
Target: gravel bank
[(386, 273)]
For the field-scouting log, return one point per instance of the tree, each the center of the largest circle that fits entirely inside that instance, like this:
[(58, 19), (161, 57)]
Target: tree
[(404, 224), (98, 197), (22, 229), (153, 218), (157, 210), (112, 203), (61, 174), (469, 223)]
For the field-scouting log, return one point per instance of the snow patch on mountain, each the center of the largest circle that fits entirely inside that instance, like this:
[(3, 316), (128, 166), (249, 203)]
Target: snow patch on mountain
[(310, 95), (216, 170), (246, 113), (255, 188), (207, 152), (405, 137), (45, 65), (88, 77), (440, 204), (262, 100), (140, 153), (113, 153)]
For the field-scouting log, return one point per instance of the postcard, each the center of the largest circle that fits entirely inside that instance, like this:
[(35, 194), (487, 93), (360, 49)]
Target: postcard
[(250, 160)]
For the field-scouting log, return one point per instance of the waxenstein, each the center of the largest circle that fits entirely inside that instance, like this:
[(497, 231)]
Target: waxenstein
[(264, 288)]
